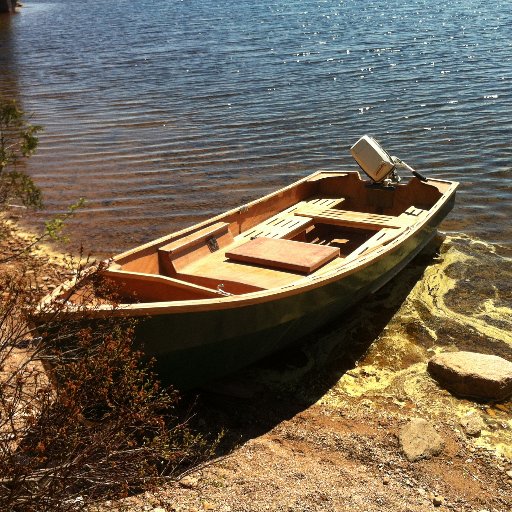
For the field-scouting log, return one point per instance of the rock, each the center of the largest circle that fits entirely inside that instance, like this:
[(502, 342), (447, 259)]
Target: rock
[(472, 424), (473, 374), (419, 440), (509, 473), (438, 501)]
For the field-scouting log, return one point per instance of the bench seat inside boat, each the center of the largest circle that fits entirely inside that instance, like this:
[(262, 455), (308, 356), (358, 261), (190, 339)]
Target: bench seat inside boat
[(279, 227), (177, 254), (286, 224), (350, 218)]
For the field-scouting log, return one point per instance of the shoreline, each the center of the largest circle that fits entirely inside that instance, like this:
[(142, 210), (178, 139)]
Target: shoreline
[(52, 265), (317, 427)]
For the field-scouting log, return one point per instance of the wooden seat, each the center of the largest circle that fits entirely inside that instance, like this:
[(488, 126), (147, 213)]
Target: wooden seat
[(179, 253), (285, 224), (279, 226), (182, 244), (284, 254), (371, 221)]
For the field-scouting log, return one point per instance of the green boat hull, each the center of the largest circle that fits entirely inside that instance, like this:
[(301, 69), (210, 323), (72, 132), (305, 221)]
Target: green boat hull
[(193, 348)]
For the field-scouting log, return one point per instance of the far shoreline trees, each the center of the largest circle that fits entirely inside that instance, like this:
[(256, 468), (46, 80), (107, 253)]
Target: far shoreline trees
[(7, 6)]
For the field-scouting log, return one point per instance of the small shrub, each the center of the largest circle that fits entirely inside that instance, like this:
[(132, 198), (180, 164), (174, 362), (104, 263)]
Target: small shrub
[(96, 425), (82, 416), (18, 140)]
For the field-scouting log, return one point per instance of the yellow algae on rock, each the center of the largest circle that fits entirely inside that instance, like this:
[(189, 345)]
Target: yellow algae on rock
[(364, 379), (378, 353)]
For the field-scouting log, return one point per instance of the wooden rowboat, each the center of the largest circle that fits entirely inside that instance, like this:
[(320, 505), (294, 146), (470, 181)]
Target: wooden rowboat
[(228, 291)]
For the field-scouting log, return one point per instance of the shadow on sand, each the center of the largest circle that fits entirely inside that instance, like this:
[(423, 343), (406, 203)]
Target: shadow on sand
[(255, 400)]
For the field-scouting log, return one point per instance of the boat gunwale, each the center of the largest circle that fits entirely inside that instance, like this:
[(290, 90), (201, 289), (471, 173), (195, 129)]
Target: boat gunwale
[(303, 284), (212, 220)]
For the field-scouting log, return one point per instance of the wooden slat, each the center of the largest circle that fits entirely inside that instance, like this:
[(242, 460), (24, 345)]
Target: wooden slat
[(282, 226), (379, 239), (284, 254), (349, 218), (188, 241), (285, 224), (321, 203)]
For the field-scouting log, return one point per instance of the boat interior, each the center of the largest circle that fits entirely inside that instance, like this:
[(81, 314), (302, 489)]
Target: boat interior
[(306, 229)]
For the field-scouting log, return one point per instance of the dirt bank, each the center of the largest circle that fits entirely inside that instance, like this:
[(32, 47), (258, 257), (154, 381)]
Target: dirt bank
[(315, 428)]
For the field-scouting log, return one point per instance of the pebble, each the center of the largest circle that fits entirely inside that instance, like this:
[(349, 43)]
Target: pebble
[(438, 501), (189, 482), (509, 473), (472, 424), (385, 480)]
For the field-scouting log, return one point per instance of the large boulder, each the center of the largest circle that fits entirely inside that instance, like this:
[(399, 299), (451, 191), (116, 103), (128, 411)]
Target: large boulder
[(472, 374), (419, 440)]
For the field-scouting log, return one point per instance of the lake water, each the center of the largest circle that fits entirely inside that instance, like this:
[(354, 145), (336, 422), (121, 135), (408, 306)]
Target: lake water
[(161, 113)]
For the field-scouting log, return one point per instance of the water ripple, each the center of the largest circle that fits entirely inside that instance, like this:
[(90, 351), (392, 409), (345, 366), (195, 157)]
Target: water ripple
[(162, 113)]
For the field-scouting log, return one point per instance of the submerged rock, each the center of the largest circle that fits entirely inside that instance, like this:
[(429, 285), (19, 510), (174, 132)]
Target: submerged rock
[(473, 374), (419, 440)]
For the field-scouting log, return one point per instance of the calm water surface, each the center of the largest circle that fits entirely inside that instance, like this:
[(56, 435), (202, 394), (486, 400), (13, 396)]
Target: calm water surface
[(164, 112)]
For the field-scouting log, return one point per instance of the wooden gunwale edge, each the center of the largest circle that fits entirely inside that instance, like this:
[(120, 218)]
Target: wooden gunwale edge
[(212, 220)]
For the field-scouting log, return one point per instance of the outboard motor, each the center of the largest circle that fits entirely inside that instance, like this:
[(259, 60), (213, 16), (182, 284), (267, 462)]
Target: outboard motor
[(377, 163)]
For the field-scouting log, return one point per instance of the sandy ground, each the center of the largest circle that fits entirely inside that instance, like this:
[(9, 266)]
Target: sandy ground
[(316, 427)]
